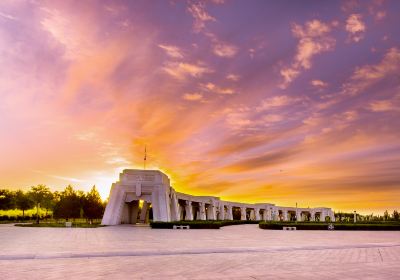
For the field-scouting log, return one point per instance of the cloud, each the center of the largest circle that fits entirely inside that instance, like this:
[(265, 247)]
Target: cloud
[(69, 179), (356, 27), (233, 77), (313, 39), (200, 15), (266, 160), (67, 32), (319, 83), (288, 74), (365, 76), (7, 16), (382, 106), (221, 48), (193, 96), (380, 15), (216, 89), (181, 70), (225, 50), (272, 118), (172, 51), (276, 101), (350, 115)]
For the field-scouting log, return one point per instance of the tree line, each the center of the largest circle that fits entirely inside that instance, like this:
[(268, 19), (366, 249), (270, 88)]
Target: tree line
[(66, 204), (347, 217)]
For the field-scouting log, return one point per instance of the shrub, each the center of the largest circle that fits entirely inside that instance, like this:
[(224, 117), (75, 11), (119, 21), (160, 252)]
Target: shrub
[(324, 226), (200, 224)]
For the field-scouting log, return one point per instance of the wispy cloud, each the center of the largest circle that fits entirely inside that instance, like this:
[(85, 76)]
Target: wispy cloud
[(233, 77), (274, 102), (225, 50), (172, 51), (72, 35), (7, 16), (318, 83), (383, 106), (217, 89), (313, 38), (181, 70), (367, 75), (200, 15), (193, 96), (356, 27)]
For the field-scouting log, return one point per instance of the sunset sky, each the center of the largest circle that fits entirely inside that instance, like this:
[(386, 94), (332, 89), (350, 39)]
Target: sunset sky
[(253, 101)]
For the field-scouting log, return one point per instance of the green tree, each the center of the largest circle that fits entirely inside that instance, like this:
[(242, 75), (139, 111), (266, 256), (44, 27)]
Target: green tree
[(93, 207), (68, 205), (38, 194), (7, 199), (386, 215), (23, 202), (48, 202), (396, 215)]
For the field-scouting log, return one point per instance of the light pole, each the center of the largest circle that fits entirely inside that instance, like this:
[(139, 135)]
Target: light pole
[(355, 216)]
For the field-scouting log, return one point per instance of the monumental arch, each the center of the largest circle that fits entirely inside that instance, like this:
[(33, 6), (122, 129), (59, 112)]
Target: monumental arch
[(141, 193)]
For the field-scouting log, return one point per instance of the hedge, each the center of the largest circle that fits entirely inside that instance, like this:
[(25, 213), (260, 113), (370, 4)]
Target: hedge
[(337, 226), (200, 224)]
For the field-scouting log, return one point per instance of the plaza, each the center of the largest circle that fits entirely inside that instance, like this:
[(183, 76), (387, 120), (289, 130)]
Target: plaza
[(232, 252)]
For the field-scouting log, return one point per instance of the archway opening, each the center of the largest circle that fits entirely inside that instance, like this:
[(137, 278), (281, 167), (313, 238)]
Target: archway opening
[(196, 210), (236, 213), (305, 216), (291, 215), (280, 215), (182, 209)]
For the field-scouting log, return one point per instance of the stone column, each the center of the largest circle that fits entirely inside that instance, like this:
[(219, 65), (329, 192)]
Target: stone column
[(229, 214), (252, 215), (243, 213), (211, 212), (189, 211), (285, 215), (175, 208), (322, 216), (202, 211), (274, 215), (298, 216), (268, 216), (312, 216), (222, 212)]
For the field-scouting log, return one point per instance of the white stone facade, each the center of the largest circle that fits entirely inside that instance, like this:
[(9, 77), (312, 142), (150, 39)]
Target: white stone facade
[(153, 189)]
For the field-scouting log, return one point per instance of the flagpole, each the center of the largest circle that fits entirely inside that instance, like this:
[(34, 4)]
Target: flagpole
[(145, 157)]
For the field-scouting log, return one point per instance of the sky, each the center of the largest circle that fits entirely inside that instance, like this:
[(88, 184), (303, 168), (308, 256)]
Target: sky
[(253, 101)]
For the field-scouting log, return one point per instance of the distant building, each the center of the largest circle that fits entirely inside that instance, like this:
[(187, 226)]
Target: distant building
[(140, 194)]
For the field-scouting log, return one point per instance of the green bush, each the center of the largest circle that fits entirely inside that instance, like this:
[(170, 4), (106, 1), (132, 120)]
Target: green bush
[(299, 226), (200, 224), (191, 224), (372, 226), (324, 226)]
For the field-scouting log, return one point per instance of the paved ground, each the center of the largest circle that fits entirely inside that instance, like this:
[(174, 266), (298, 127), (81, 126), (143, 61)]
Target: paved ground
[(234, 252)]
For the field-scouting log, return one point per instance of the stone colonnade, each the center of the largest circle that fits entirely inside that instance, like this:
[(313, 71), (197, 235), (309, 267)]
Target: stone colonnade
[(153, 187)]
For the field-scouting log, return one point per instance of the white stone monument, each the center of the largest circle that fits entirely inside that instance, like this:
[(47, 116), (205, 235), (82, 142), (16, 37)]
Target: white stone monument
[(140, 191)]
